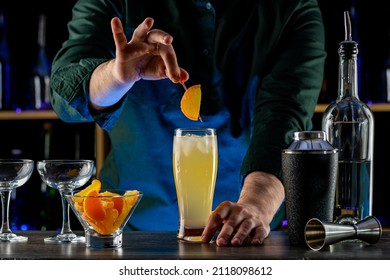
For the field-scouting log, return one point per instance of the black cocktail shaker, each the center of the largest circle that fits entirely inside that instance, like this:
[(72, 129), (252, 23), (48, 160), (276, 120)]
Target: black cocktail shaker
[(309, 168)]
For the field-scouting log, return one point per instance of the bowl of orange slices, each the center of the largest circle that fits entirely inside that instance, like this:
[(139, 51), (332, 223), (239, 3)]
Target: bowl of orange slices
[(103, 213)]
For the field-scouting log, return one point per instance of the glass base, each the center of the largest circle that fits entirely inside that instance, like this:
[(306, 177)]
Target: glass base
[(192, 238), (66, 237), (95, 240), (12, 237), (191, 234)]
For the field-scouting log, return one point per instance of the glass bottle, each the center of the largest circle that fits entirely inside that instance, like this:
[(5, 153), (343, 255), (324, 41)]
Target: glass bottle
[(40, 95), (5, 68), (349, 124), (387, 69)]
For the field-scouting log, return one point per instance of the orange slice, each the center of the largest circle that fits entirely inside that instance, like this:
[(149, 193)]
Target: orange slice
[(106, 226), (128, 201), (96, 185), (190, 102), (118, 201), (94, 208)]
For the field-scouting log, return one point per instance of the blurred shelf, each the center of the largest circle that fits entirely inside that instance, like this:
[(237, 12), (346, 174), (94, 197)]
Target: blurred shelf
[(101, 138), (50, 115), (102, 147), (376, 107), (28, 115)]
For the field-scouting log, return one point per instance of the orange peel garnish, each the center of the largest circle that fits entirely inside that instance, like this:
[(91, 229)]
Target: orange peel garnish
[(190, 102)]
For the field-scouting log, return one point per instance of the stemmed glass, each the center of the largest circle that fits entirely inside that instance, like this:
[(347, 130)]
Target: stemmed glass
[(65, 176), (13, 173)]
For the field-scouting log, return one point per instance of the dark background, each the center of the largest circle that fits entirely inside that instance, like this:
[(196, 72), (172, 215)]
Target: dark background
[(371, 29)]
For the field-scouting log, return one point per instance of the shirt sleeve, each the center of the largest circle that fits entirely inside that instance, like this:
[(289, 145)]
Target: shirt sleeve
[(89, 44), (289, 91)]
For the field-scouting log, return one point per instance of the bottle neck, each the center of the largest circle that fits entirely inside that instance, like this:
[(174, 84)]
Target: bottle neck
[(2, 25), (3, 39), (348, 72), (42, 31)]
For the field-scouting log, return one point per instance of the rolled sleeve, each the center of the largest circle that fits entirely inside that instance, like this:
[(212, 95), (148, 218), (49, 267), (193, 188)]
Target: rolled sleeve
[(72, 105)]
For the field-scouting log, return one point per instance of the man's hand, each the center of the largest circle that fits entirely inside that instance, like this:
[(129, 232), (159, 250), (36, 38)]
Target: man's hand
[(248, 219), (149, 55)]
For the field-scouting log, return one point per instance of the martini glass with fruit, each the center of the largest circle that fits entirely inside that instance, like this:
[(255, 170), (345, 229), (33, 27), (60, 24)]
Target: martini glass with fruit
[(103, 213)]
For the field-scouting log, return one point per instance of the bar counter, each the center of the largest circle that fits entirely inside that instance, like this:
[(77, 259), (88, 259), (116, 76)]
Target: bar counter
[(164, 246)]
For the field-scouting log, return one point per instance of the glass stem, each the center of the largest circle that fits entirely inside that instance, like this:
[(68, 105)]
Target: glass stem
[(5, 199), (65, 213)]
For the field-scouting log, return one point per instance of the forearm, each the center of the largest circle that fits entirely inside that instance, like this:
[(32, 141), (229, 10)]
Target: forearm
[(104, 89), (263, 190)]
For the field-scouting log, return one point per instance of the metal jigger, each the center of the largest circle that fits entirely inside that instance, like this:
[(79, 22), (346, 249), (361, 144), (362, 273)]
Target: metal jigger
[(318, 233)]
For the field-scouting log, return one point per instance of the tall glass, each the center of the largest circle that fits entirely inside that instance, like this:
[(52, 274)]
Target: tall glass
[(195, 164)]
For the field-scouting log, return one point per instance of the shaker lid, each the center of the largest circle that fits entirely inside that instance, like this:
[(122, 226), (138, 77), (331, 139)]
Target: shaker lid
[(310, 141)]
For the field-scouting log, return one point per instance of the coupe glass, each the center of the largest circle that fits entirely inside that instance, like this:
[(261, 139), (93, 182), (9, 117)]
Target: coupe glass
[(65, 176), (13, 173)]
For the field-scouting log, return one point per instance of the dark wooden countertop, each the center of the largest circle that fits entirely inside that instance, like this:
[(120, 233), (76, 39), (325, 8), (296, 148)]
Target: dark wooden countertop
[(164, 245)]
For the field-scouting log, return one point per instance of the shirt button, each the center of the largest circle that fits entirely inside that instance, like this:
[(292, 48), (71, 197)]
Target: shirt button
[(205, 51), (208, 6)]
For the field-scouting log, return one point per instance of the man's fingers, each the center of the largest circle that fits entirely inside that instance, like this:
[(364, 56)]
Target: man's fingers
[(119, 36), (151, 51), (215, 221), (120, 39), (235, 227), (159, 36), (259, 235), (168, 56), (163, 47), (141, 32), (242, 233)]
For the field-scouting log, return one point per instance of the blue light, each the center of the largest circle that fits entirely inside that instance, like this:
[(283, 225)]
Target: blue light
[(24, 227)]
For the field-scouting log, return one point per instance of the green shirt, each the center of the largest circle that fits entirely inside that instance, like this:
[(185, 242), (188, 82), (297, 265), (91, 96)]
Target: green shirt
[(260, 65)]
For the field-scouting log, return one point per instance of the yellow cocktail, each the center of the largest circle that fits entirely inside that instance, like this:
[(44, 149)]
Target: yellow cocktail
[(195, 164)]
